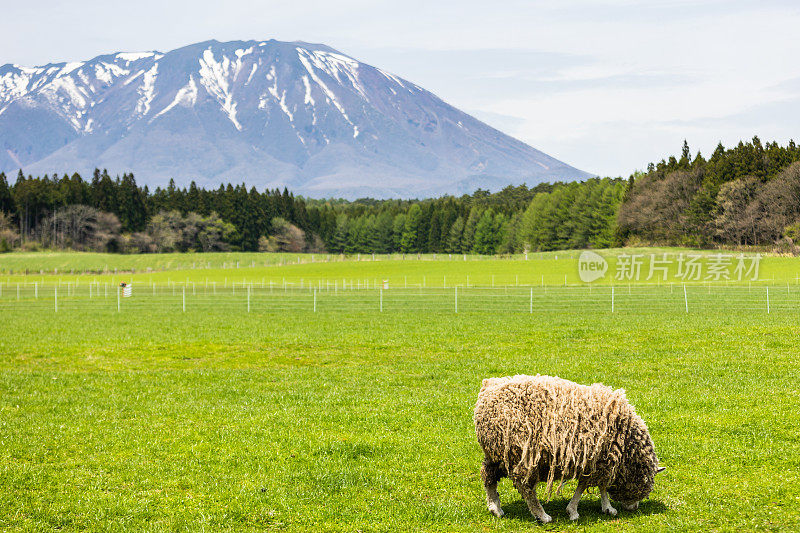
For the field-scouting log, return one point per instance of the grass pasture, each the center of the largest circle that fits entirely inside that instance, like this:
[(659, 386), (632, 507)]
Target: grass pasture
[(352, 419)]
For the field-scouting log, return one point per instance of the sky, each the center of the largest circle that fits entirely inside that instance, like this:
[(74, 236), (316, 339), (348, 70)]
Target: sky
[(606, 86)]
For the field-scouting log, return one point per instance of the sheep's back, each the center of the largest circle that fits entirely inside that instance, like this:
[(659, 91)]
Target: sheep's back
[(548, 427)]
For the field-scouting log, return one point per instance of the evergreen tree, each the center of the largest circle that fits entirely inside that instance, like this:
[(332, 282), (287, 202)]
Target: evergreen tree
[(487, 234), (409, 242), (467, 238), (6, 199), (131, 208), (454, 237)]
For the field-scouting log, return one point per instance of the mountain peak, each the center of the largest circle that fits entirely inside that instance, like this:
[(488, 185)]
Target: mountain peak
[(272, 113)]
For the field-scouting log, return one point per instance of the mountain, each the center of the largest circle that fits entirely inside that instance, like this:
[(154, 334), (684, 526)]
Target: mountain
[(268, 113)]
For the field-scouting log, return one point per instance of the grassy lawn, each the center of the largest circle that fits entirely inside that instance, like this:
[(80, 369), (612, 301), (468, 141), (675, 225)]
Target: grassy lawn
[(354, 420)]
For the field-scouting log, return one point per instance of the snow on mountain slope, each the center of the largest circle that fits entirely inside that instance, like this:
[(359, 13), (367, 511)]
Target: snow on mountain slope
[(268, 113)]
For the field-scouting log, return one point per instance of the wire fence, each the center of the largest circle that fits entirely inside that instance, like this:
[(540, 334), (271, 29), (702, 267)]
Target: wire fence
[(331, 297)]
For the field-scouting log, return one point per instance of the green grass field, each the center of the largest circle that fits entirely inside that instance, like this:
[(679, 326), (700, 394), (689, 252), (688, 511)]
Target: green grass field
[(351, 419)]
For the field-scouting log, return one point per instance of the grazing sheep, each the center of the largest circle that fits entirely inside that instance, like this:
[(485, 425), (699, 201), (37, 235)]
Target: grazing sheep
[(541, 429)]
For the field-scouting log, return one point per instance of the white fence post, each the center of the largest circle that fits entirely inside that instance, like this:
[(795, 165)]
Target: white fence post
[(56, 297), (36, 290), (456, 299), (381, 299), (531, 310), (315, 300), (685, 298), (248, 299), (183, 299), (118, 300), (767, 299)]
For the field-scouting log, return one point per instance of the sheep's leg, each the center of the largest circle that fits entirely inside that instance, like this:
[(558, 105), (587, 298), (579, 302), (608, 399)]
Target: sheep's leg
[(605, 505), (528, 492), (572, 506), (491, 474)]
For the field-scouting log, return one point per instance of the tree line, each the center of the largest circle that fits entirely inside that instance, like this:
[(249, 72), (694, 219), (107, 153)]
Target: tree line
[(115, 214), (745, 195)]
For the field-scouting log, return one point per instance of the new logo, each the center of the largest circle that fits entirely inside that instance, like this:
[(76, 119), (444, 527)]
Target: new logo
[(591, 266)]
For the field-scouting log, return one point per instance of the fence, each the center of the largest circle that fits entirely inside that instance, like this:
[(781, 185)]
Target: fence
[(331, 297)]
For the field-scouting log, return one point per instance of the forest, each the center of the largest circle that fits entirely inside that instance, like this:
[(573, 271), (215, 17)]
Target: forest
[(747, 195), (742, 196), (115, 214)]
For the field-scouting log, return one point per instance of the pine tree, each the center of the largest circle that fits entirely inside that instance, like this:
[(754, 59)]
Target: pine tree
[(409, 242), (6, 200), (467, 240), (131, 208), (339, 240), (454, 236), (485, 238), (398, 226)]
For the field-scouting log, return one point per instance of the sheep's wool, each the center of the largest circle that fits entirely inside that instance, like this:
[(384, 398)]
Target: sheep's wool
[(548, 428)]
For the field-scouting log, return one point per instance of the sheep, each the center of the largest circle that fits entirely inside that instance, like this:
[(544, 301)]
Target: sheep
[(543, 428)]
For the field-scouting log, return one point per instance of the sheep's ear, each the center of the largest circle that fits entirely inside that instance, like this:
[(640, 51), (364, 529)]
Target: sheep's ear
[(660, 469)]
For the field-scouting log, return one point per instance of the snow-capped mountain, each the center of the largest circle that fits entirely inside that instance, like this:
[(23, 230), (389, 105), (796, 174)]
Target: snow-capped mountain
[(270, 114)]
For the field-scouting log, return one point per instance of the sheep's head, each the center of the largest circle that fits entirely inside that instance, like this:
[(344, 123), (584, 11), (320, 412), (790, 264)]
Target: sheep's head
[(637, 472), (635, 485)]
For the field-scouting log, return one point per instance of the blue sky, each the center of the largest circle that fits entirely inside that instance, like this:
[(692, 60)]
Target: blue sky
[(606, 86)]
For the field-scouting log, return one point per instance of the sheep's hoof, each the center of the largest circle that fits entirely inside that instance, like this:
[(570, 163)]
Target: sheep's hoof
[(545, 518), (496, 510), (610, 511)]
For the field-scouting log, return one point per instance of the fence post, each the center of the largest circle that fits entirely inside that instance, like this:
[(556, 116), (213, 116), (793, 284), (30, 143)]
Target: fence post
[(685, 298), (248, 299), (56, 297), (117, 299), (183, 299), (531, 310), (36, 290), (315, 300), (767, 299), (381, 299), (456, 299)]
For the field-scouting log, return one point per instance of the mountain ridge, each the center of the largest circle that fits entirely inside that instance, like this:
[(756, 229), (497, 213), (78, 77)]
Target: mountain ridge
[(276, 114)]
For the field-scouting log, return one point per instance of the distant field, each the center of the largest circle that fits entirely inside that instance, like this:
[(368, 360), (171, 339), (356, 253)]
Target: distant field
[(348, 419), (441, 270)]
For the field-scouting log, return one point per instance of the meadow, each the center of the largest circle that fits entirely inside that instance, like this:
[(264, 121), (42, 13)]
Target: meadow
[(152, 417)]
